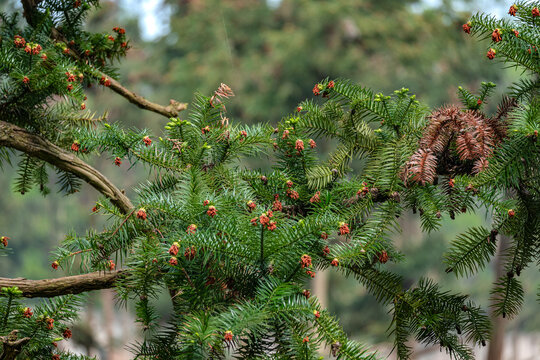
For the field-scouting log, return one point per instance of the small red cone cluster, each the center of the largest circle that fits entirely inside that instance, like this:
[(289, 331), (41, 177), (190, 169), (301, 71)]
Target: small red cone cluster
[(496, 35), (212, 211), (141, 214), (4, 240), (27, 312), (316, 198), (147, 141), (191, 229), (175, 247), (383, 257), (344, 228), (251, 205), (305, 261)]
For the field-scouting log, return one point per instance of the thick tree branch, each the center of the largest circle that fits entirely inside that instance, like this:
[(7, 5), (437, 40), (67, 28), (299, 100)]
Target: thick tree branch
[(18, 138), (75, 284)]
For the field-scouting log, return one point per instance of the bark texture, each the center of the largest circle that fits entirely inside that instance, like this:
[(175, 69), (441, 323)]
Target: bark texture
[(34, 145), (75, 284)]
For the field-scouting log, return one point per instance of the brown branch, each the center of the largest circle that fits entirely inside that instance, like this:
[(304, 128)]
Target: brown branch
[(169, 111), (34, 145), (75, 284), (11, 345)]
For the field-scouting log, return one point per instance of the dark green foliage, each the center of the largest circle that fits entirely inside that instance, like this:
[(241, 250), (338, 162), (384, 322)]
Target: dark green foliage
[(234, 248)]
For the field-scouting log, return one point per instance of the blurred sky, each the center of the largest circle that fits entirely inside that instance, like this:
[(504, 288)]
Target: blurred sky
[(154, 15)]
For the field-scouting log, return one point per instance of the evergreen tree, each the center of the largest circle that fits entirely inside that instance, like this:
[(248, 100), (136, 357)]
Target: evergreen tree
[(234, 247)]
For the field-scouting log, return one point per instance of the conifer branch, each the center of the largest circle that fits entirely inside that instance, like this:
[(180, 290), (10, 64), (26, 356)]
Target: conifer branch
[(34, 145), (170, 110), (75, 284)]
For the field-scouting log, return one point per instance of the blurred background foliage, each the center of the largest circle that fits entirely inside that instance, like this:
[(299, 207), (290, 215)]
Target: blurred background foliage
[(271, 54)]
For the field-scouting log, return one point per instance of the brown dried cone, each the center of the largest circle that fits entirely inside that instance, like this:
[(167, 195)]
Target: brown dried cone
[(473, 135)]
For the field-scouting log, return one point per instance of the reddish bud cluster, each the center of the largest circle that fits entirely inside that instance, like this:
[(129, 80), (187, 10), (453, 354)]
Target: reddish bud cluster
[(272, 225), (251, 205), (299, 145), (4, 240), (119, 30), (212, 211), (326, 250), (19, 41), (277, 206), (55, 264), (112, 265), (312, 143), (141, 214), (50, 323), (316, 197), (344, 228), (67, 333), (228, 336), (317, 314), (535, 12), (335, 262), (324, 236), (496, 35), (147, 141), (173, 261), (285, 134), (383, 257), (33, 49), (512, 11), (491, 54), (117, 161), (105, 81), (511, 213), (25, 80), (173, 250), (305, 261), (27, 312), (191, 229), (205, 130), (293, 194), (467, 28), (306, 293)]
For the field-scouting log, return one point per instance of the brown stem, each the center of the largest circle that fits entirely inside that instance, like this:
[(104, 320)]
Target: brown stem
[(11, 345), (170, 110), (34, 145), (75, 284)]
